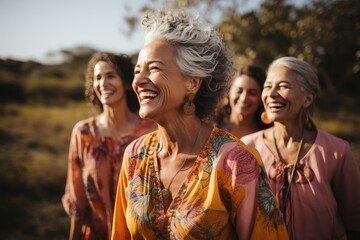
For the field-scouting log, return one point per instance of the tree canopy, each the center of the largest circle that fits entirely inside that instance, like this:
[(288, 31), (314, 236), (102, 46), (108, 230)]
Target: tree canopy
[(324, 33)]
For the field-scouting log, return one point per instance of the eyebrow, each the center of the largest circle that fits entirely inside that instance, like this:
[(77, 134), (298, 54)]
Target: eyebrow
[(278, 82), (112, 72), (152, 61)]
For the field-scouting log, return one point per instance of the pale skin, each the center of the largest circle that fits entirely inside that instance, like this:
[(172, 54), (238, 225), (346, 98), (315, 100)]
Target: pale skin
[(284, 102), (244, 99), (161, 90)]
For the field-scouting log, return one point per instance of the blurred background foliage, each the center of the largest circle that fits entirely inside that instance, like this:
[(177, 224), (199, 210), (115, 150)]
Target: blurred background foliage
[(325, 33), (39, 103)]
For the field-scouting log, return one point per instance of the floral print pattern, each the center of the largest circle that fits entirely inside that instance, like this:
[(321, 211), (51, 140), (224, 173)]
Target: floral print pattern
[(208, 204), (93, 173)]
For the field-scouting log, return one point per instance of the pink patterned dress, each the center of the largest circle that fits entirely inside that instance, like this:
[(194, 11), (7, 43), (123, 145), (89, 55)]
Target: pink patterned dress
[(93, 172)]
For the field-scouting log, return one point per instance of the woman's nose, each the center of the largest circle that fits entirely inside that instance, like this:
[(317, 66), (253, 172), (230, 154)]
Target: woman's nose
[(243, 96), (103, 82), (273, 91), (140, 78)]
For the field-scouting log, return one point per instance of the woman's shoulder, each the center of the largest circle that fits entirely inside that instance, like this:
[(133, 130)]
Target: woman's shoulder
[(329, 140), (220, 138), (145, 126), (233, 147), (331, 146), (237, 159), (223, 136), (142, 143), (254, 138), (84, 126)]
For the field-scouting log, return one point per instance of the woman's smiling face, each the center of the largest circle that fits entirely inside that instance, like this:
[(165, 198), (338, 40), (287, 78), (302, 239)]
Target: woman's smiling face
[(158, 81), (282, 95), (245, 96), (107, 84)]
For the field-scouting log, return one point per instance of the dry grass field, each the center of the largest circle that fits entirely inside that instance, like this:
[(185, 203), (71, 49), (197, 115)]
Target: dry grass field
[(33, 150)]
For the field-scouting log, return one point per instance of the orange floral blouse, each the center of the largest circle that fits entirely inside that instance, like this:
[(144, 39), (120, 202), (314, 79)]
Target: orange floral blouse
[(93, 172), (225, 195)]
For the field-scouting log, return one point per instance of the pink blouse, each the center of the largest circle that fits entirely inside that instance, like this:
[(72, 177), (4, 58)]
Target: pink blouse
[(93, 172), (325, 199)]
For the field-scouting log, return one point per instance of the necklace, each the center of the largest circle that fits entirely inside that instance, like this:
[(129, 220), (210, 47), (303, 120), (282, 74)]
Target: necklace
[(287, 183), (166, 190)]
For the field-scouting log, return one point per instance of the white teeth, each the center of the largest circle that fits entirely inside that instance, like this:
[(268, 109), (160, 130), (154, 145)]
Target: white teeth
[(276, 105), (147, 95), (107, 92)]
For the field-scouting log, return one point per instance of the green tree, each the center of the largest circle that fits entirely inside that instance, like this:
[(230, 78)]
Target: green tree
[(324, 33)]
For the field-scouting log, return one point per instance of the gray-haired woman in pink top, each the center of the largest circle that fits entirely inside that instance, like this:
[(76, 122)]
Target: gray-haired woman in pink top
[(319, 197)]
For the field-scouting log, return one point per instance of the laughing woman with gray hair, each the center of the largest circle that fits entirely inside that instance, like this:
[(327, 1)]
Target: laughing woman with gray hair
[(189, 180), (313, 173)]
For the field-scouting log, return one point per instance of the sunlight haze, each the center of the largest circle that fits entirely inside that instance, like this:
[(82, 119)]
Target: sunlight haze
[(39, 29)]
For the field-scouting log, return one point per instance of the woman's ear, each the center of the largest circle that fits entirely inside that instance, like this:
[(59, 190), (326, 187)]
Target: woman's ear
[(193, 84), (309, 99)]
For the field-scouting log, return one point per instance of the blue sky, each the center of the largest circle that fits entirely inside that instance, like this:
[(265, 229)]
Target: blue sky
[(30, 29)]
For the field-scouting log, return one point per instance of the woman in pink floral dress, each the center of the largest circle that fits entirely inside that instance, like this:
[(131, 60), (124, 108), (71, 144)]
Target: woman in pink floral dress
[(97, 146)]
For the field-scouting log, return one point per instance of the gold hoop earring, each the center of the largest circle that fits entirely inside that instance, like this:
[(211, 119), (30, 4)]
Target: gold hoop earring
[(264, 118), (189, 106)]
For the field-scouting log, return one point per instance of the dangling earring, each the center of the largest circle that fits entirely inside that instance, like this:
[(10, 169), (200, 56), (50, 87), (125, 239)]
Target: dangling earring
[(306, 121), (304, 118), (189, 106), (264, 118)]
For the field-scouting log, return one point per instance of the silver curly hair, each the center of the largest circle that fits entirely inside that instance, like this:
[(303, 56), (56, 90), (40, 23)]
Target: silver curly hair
[(199, 52)]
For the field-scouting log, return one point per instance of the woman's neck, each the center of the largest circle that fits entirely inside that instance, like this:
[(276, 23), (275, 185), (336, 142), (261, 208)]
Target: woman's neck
[(185, 136), (288, 133), (117, 121), (241, 126)]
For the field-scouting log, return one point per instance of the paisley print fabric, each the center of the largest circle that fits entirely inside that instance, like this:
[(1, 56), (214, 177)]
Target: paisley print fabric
[(93, 173), (225, 195)]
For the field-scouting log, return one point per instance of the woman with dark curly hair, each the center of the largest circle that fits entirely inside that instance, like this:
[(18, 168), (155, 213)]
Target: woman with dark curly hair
[(189, 180), (97, 145), (242, 113)]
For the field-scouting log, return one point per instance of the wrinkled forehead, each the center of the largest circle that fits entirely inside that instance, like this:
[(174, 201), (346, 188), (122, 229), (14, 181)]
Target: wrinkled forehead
[(281, 73), (156, 50)]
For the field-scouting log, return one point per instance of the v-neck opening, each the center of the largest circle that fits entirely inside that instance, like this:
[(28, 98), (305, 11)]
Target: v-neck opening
[(283, 162), (176, 200)]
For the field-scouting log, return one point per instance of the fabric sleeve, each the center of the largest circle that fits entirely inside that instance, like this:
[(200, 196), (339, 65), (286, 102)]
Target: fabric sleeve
[(263, 219), (258, 215), (74, 199), (119, 226), (345, 188)]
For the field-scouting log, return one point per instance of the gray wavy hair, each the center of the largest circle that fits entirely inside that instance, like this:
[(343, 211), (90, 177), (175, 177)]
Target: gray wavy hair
[(307, 77), (199, 52)]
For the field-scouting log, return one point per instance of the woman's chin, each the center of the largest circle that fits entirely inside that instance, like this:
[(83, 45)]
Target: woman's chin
[(144, 113)]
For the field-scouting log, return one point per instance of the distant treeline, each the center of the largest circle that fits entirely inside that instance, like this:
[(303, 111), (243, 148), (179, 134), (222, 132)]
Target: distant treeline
[(46, 84), (33, 82)]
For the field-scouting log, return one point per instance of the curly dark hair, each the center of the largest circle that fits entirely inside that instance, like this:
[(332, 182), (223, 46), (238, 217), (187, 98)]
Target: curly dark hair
[(124, 67)]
